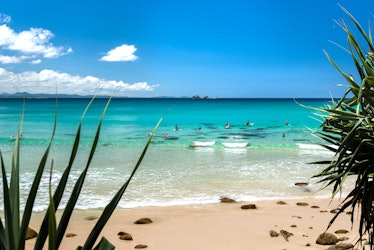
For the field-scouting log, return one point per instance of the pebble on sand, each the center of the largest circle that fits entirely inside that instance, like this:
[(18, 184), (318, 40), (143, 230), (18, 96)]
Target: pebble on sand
[(249, 206), (227, 200), (125, 236), (31, 233), (140, 246), (143, 221)]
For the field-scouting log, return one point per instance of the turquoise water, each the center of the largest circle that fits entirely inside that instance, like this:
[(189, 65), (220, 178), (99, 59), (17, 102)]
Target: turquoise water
[(174, 170)]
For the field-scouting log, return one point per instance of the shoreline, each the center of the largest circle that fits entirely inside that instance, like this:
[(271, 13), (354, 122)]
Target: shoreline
[(218, 226)]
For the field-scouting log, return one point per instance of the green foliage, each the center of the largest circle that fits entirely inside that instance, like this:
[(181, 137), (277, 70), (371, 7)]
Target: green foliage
[(347, 129), (13, 231)]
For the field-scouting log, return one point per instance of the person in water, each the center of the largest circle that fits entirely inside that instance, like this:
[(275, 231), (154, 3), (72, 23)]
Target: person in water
[(176, 127), (227, 125)]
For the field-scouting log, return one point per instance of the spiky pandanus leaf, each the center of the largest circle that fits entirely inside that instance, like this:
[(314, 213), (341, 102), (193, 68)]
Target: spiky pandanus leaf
[(35, 185), (116, 199), (349, 125), (12, 234), (43, 231)]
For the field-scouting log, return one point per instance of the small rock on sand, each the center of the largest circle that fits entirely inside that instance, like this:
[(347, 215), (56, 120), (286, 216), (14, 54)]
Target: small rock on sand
[(327, 239), (249, 206), (273, 233), (69, 235), (303, 204), (227, 200), (341, 246), (334, 211), (144, 221), (125, 236), (285, 234), (341, 231), (301, 184), (31, 233), (140, 246), (297, 216)]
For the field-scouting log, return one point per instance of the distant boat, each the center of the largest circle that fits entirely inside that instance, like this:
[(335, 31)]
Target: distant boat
[(202, 143), (235, 144)]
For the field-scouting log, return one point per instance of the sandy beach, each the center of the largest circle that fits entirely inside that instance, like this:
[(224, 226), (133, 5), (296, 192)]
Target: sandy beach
[(218, 226)]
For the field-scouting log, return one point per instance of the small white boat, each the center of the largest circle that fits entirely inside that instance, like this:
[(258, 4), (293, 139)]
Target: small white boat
[(235, 144), (203, 143)]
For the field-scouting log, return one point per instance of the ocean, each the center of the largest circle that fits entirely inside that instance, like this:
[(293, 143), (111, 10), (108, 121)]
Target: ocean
[(264, 152)]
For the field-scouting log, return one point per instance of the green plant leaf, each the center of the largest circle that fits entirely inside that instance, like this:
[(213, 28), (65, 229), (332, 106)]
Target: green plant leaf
[(104, 244), (114, 202), (51, 216), (349, 125), (43, 231), (65, 218), (35, 185), (6, 235), (14, 228)]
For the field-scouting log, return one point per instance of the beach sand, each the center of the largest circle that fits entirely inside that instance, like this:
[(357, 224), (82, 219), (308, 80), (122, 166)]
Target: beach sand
[(218, 226)]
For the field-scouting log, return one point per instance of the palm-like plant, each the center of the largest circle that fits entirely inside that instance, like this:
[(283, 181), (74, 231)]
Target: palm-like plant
[(348, 130)]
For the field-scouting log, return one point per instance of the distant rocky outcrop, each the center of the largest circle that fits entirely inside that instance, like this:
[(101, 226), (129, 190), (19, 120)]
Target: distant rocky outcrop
[(198, 97)]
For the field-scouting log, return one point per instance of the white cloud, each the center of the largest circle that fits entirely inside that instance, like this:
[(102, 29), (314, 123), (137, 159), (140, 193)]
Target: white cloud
[(12, 59), (37, 61), (29, 44), (121, 53), (46, 81)]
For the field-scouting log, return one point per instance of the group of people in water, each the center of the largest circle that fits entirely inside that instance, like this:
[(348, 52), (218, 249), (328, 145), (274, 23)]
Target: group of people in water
[(227, 126)]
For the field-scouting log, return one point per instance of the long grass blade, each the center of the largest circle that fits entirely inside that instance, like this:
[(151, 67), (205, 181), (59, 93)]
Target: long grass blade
[(51, 216), (2, 236), (14, 186), (65, 218), (104, 244), (6, 235), (35, 185), (108, 211), (43, 231)]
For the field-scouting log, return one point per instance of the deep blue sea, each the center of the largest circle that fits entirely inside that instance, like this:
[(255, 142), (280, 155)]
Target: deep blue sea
[(269, 159)]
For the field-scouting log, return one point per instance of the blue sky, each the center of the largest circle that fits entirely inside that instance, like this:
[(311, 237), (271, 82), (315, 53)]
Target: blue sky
[(139, 48)]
